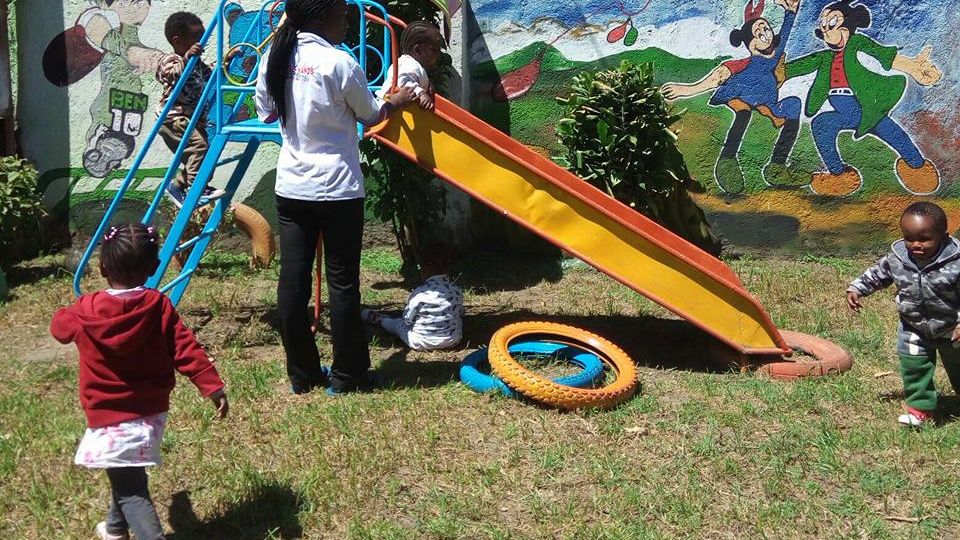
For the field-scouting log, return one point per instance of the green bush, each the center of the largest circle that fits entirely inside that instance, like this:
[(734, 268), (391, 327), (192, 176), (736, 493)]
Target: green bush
[(21, 211), (617, 136), (404, 195)]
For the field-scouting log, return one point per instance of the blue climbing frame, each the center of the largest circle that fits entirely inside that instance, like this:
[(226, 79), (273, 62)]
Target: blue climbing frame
[(224, 131)]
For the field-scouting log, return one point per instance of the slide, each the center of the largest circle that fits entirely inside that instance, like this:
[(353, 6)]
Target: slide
[(583, 221)]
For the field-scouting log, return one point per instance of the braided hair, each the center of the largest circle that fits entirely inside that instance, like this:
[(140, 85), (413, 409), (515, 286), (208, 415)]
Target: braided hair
[(417, 33), (299, 13), (128, 253)]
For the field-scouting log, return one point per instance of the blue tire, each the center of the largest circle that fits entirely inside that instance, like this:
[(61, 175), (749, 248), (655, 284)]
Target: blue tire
[(483, 382)]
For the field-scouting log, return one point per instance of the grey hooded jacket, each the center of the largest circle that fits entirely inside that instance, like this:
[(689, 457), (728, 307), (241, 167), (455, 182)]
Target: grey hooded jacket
[(927, 299)]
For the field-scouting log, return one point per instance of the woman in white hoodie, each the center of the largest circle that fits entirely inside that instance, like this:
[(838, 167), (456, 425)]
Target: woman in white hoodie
[(319, 93)]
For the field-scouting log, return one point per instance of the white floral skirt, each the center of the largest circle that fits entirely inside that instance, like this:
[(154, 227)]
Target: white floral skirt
[(134, 443)]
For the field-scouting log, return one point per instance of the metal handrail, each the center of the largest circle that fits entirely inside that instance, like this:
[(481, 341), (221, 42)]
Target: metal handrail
[(215, 89)]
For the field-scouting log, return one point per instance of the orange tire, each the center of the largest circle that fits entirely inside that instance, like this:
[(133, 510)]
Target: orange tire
[(829, 358), (546, 391), (259, 231)]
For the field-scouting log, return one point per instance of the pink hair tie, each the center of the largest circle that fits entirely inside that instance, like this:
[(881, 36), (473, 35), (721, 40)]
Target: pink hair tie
[(110, 234), (153, 234)]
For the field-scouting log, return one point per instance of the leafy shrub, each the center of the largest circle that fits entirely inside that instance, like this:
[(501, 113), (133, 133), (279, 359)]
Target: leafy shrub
[(21, 210), (404, 195), (617, 136)]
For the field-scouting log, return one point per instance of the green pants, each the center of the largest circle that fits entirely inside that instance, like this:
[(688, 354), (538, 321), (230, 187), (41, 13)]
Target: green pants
[(917, 373)]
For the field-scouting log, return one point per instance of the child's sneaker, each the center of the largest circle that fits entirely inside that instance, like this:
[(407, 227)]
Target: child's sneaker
[(369, 316), (102, 533), (177, 195), (915, 417), (211, 194)]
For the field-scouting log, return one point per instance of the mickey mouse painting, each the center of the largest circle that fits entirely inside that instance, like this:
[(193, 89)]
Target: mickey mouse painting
[(751, 84), (861, 100)]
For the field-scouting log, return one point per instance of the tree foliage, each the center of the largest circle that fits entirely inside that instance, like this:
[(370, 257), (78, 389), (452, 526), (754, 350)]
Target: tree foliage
[(617, 136)]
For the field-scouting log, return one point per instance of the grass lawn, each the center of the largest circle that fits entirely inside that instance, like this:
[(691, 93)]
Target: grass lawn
[(696, 454)]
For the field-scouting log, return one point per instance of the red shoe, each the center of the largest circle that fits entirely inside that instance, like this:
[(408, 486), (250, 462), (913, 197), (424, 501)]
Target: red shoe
[(915, 417)]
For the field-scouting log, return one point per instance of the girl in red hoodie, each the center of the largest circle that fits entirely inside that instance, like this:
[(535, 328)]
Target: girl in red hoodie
[(131, 341)]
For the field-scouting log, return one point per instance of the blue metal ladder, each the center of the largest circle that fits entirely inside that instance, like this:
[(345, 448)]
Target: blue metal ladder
[(224, 131)]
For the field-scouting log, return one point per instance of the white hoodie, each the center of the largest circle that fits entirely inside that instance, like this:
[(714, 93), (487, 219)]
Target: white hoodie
[(327, 95)]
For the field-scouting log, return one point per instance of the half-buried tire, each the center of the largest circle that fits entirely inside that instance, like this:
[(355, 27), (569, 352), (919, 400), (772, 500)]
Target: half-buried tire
[(828, 358), (258, 230)]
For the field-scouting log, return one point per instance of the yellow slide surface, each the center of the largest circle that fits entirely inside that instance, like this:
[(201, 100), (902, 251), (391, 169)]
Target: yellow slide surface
[(583, 221)]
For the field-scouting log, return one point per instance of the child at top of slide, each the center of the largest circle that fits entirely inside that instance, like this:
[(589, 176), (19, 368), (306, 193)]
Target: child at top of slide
[(420, 44)]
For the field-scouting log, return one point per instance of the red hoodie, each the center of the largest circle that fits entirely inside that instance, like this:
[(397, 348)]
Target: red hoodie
[(129, 347)]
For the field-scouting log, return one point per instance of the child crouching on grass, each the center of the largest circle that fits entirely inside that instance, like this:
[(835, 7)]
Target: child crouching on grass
[(924, 266), (131, 342), (432, 318)]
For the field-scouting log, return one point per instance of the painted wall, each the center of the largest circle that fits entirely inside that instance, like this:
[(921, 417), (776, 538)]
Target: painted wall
[(786, 161), (88, 98), (756, 105)]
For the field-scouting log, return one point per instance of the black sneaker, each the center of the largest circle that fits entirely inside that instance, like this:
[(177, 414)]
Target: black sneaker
[(370, 383), (324, 380)]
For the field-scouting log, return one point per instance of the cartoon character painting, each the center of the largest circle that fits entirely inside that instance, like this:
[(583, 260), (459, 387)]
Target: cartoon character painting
[(107, 35), (751, 84), (861, 100)]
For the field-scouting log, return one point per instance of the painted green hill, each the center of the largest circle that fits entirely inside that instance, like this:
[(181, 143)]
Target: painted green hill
[(553, 60), (531, 118)]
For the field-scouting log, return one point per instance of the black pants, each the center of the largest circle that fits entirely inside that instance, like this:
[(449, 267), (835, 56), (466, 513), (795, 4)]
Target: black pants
[(130, 506), (341, 224)]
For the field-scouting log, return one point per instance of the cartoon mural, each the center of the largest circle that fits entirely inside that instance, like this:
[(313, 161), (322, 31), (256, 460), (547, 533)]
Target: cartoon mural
[(107, 35), (837, 112), (751, 84), (861, 100), (99, 67), (787, 155)]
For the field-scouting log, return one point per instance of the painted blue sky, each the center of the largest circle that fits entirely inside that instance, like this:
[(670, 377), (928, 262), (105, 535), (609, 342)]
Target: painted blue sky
[(899, 22)]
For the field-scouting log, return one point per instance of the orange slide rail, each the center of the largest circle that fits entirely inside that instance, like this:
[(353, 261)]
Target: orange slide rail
[(583, 221)]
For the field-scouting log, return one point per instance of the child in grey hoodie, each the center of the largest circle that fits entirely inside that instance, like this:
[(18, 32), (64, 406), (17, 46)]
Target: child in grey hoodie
[(925, 268)]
